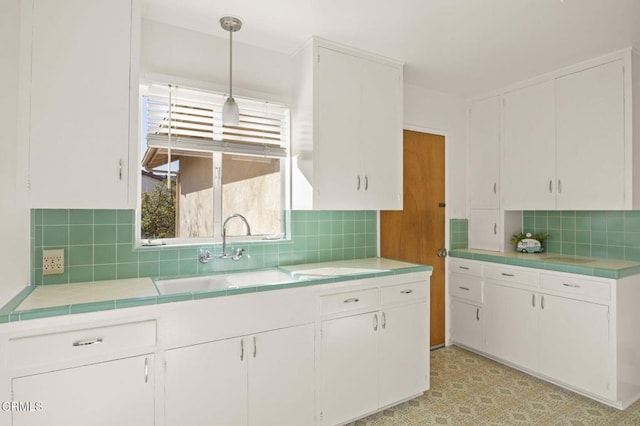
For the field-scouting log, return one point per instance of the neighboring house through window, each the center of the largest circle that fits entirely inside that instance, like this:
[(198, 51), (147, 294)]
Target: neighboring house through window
[(211, 171)]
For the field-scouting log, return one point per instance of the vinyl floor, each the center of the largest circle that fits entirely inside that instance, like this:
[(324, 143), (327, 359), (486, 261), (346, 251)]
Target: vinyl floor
[(467, 389)]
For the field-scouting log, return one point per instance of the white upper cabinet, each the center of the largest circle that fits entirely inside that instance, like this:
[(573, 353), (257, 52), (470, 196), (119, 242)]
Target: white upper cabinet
[(529, 164), (484, 153), (79, 102), (347, 130), (569, 142), (590, 139)]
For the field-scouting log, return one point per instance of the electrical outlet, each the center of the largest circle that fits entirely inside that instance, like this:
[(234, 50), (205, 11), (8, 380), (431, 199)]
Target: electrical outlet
[(52, 262)]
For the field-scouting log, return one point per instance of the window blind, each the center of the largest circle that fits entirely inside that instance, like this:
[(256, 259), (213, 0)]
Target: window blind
[(185, 119)]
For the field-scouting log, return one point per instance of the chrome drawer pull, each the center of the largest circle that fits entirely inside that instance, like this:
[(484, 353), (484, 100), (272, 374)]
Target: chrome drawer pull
[(409, 291), (507, 275), (88, 342), (463, 267), (464, 288), (384, 320), (241, 349), (146, 369), (255, 346), (533, 300), (477, 314), (352, 300), (571, 285), (375, 322)]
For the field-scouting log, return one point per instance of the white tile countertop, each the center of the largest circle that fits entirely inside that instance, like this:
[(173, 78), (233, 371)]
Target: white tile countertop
[(45, 296)]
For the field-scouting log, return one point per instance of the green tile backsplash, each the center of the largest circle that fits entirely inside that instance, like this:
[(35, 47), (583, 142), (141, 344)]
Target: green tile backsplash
[(598, 234), (458, 234), (99, 245)]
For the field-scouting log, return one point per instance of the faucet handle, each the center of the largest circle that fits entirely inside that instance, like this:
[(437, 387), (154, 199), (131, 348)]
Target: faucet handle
[(205, 256), (238, 255)]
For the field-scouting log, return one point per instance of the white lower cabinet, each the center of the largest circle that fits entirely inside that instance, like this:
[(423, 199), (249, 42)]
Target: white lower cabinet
[(576, 331), (374, 359), (349, 354), (119, 392), (261, 379), (512, 325), (467, 324), (575, 343)]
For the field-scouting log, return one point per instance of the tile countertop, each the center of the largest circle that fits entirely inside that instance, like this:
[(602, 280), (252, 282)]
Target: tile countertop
[(605, 268), (65, 299)]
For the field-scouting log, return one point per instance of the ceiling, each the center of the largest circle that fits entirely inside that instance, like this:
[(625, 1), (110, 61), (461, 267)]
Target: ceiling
[(464, 47)]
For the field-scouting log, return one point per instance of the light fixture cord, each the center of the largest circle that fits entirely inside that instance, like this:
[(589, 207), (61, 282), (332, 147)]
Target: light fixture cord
[(231, 63)]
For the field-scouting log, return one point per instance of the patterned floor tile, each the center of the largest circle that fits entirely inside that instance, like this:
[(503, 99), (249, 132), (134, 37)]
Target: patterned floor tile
[(467, 389)]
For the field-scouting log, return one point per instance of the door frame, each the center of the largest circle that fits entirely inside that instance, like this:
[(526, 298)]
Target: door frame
[(447, 301)]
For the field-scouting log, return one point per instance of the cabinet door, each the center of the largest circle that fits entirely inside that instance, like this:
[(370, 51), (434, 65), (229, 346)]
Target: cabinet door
[(528, 149), (380, 145), (467, 324), (484, 153), (484, 232), (403, 352), (337, 163), (281, 377), (79, 106), (574, 343), (207, 384), (349, 367), (590, 132), (111, 393), (511, 329)]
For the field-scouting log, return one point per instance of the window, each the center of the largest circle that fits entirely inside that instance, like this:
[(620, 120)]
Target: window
[(197, 172)]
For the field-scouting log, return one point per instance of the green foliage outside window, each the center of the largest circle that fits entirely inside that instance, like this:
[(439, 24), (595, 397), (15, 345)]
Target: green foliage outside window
[(158, 214)]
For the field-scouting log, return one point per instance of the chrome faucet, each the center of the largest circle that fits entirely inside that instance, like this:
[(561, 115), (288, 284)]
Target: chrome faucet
[(205, 255)]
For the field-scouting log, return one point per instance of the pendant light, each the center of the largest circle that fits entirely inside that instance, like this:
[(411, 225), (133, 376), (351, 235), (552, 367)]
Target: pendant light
[(230, 112)]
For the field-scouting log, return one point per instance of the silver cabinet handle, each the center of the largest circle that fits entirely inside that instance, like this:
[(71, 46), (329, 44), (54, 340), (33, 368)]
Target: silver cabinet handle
[(550, 186), (533, 300), (464, 267), (477, 314), (146, 369), (358, 187), (384, 320), (464, 288), (571, 285), (375, 322), (542, 302), (120, 169), (351, 300), (495, 188), (366, 183), (88, 342), (504, 274), (495, 229), (408, 291), (241, 349), (559, 186), (255, 347)]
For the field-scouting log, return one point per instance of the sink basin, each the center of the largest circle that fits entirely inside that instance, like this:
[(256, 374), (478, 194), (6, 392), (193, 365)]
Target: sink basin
[(223, 281), (334, 271)]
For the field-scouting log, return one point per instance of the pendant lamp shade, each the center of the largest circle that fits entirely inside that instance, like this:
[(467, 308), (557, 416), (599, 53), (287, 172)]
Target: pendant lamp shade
[(230, 111)]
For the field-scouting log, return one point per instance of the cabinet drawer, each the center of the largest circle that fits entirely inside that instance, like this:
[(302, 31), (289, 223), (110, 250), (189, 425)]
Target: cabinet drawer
[(577, 286), (349, 301), (404, 293), (463, 267), (512, 275), (79, 344), (464, 287)]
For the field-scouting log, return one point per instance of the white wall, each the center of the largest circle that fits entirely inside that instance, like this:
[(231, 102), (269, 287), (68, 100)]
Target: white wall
[(198, 57), (14, 221), (441, 113)]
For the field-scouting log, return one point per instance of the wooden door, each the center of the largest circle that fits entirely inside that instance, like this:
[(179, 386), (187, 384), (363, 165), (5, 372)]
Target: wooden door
[(416, 233)]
